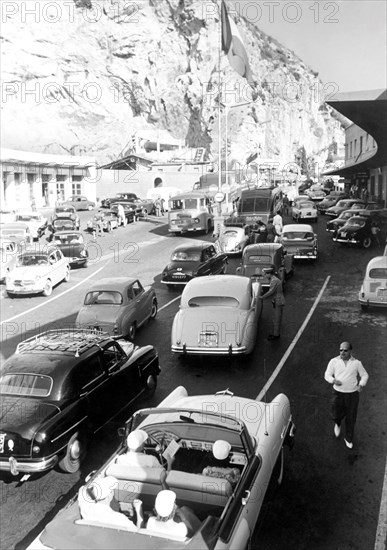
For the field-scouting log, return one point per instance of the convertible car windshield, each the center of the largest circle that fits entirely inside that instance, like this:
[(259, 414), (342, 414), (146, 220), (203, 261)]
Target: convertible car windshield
[(213, 301), (30, 259), (32, 385), (185, 256), (103, 297)]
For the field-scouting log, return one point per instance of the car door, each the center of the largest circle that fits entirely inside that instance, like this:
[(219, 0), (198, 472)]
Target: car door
[(216, 263), (141, 302), (205, 263)]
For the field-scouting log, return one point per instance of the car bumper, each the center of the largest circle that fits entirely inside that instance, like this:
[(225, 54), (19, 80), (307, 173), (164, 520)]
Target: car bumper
[(16, 466), (24, 289), (176, 282), (213, 350), (345, 241), (77, 261), (304, 256), (373, 302)]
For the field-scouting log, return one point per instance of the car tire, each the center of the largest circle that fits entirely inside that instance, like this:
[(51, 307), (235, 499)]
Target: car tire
[(150, 385), (47, 288), (67, 275), (153, 309), (366, 242), (132, 331), (75, 451)]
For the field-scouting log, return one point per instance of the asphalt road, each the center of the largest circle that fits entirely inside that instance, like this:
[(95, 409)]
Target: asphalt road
[(330, 497)]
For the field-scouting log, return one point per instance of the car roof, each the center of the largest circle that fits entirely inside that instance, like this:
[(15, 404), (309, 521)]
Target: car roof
[(298, 227), (215, 285), (263, 248), (190, 195), (378, 261), (113, 283)]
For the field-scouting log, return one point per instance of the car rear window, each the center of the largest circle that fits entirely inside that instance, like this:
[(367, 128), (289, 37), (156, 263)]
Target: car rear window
[(103, 297), (378, 273), (298, 235), (255, 259), (185, 256), (32, 385), (217, 301)]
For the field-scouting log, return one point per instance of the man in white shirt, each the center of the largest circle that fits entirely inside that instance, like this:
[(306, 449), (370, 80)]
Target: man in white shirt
[(348, 377), (135, 454)]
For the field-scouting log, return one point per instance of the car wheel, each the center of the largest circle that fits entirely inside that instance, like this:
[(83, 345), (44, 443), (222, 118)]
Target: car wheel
[(47, 288), (132, 331), (367, 241), (75, 451), (150, 385), (67, 275), (153, 309)]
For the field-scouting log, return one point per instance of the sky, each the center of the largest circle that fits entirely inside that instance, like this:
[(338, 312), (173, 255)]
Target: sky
[(343, 40)]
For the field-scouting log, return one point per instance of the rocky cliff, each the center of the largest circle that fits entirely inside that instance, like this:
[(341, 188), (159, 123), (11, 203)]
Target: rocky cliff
[(82, 77)]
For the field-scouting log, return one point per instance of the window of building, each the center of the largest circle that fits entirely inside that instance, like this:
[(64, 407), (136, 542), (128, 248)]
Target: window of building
[(60, 191), (76, 188), (46, 178), (60, 177)]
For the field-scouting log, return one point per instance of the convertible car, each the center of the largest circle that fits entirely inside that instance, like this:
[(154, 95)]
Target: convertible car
[(109, 221), (300, 241), (373, 292), (193, 260), (234, 238), (118, 306), (218, 315), (257, 257), (217, 513), (73, 247)]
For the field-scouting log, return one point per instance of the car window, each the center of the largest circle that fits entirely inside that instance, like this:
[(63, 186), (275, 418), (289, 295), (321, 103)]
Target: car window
[(32, 385), (255, 259), (137, 288), (356, 222), (88, 371), (213, 301), (111, 355), (378, 273), (97, 297), (185, 256), (52, 259)]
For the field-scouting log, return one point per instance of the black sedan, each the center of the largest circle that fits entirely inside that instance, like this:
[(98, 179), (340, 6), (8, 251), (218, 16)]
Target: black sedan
[(129, 210), (61, 387), (334, 225), (193, 260), (73, 247), (356, 231), (61, 224)]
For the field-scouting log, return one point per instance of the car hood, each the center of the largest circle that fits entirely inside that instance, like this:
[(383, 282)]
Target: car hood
[(229, 323), (103, 313), (24, 416), (350, 229), (29, 272)]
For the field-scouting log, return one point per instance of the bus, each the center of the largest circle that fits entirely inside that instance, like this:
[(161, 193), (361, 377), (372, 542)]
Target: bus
[(259, 204), (190, 212), (209, 184)]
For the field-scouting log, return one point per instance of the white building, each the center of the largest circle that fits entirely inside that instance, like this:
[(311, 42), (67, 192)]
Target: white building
[(36, 179)]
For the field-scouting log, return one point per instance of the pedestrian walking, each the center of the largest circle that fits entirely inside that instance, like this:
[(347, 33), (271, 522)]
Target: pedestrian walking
[(348, 377), (121, 215), (271, 232), (276, 294), (158, 206), (162, 206), (97, 226), (285, 203)]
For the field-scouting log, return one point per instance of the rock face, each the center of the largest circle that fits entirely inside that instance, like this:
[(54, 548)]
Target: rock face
[(82, 77)]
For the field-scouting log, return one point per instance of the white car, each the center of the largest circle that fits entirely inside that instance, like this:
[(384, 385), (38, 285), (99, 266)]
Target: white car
[(37, 271), (305, 210), (300, 241), (8, 255), (233, 239), (218, 315), (36, 222), (219, 507), (373, 292)]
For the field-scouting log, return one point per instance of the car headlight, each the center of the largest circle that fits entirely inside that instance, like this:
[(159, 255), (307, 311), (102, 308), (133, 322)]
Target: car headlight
[(36, 449), (196, 220)]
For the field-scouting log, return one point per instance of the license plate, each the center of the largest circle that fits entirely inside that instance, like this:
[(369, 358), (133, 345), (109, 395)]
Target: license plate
[(208, 339), (382, 295), (2, 439), (95, 327), (343, 234), (178, 276)]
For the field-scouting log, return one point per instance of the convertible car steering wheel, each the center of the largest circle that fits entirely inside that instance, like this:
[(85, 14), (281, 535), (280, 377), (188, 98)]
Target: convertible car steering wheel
[(162, 439)]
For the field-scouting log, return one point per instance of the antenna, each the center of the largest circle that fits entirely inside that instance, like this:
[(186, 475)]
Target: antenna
[(264, 395)]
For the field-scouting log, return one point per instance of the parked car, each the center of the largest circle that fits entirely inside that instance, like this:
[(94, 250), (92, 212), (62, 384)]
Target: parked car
[(59, 388), (73, 247), (235, 237), (343, 204), (66, 211), (37, 271), (373, 292), (17, 232), (218, 315), (61, 224), (341, 220), (8, 256), (300, 241), (35, 221), (191, 260), (356, 231), (129, 209), (303, 187), (118, 306), (130, 197), (79, 202), (226, 511), (258, 257), (315, 192), (305, 210), (109, 221), (326, 203)]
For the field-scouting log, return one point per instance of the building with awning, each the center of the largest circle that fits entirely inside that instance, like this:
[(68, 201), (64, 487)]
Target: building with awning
[(365, 164)]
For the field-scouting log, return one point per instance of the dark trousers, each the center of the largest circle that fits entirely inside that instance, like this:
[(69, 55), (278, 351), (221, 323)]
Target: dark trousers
[(344, 406)]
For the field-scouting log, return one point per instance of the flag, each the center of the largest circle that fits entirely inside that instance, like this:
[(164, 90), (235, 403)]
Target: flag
[(232, 45)]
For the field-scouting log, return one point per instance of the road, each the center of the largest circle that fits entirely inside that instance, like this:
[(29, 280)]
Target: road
[(330, 498)]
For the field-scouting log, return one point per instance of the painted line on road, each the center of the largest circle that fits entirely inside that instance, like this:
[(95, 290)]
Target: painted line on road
[(169, 303), (278, 368), (51, 299), (381, 530)]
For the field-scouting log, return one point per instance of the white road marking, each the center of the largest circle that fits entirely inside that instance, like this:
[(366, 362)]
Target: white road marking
[(51, 299), (381, 530), (169, 303), (278, 368)]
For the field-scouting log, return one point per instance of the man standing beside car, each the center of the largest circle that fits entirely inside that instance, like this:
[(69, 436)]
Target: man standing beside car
[(276, 293), (348, 377)]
